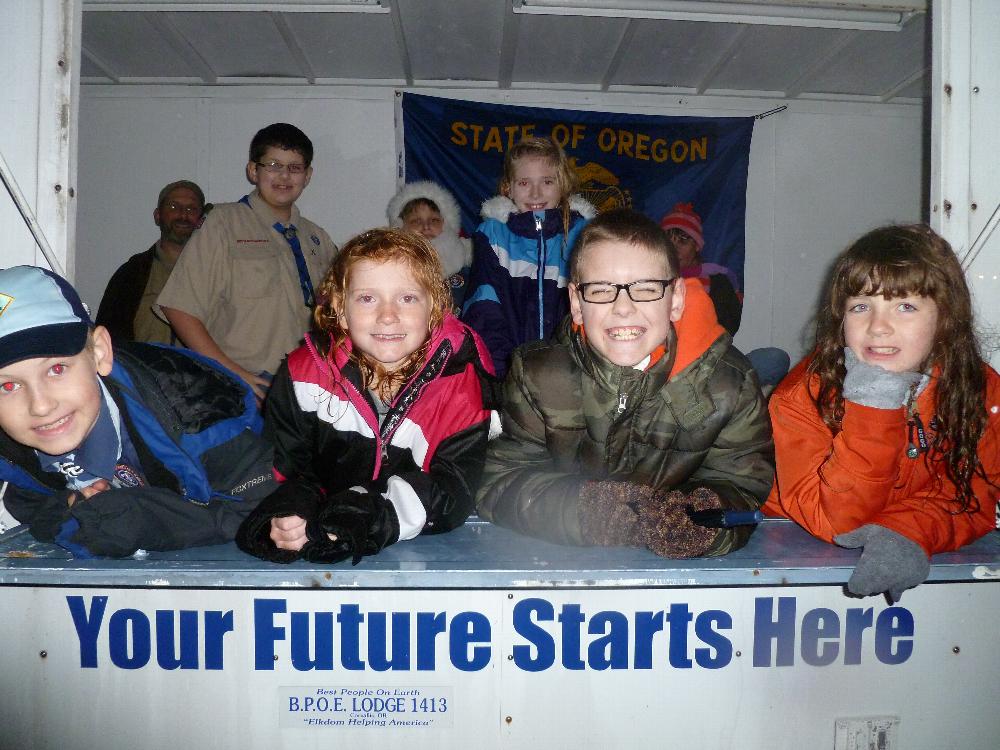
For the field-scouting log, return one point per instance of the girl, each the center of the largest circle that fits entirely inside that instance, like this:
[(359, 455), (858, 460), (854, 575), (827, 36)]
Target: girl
[(377, 420), (888, 436), (517, 286), (429, 210)]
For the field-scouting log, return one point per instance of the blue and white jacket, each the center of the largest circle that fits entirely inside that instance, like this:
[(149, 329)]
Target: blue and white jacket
[(520, 262), (196, 433)]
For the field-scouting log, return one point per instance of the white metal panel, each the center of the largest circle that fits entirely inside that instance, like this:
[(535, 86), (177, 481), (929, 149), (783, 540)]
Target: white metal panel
[(40, 49), (752, 667), (448, 40), (964, 147), (874, 62)]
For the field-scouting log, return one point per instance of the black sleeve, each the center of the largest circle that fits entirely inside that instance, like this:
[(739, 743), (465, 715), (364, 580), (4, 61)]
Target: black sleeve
[(43, 513), (119, 305), (290, 430), (728, 308), (117, 522)]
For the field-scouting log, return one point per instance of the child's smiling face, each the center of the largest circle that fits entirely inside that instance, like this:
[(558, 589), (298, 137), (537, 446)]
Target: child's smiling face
[(52, 403), (535, 186), (894, 334), (625, 332), (385, 311)]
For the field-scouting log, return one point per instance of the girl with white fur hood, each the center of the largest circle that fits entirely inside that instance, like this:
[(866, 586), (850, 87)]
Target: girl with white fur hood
[(430, 210)]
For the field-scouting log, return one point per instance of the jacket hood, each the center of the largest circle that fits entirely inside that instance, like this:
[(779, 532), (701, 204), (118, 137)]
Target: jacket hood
[(454, 250), (698, 327), (500, 207), (444, 200)]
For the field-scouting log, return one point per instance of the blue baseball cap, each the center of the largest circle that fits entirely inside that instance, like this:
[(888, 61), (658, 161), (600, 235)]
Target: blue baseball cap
[(41, 315)]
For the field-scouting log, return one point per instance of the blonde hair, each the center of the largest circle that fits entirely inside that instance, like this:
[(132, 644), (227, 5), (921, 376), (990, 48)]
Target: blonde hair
[(542, 148), (382, 246)]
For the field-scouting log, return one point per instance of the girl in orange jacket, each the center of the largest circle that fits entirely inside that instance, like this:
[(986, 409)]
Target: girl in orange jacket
[(887, 436)]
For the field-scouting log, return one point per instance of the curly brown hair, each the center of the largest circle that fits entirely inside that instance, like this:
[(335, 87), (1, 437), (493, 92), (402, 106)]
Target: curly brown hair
[(899, 261), (381, 246)]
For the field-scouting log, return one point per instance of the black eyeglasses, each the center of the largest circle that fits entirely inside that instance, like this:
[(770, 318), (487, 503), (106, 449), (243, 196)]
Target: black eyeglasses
[(604, 292)]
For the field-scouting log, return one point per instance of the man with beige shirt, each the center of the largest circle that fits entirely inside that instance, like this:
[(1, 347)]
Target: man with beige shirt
[(243, 290), (127, 306)]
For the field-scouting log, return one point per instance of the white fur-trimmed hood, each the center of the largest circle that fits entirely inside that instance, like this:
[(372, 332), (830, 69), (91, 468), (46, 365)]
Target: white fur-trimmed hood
[(444, 200), (499, 207), (454, 250)]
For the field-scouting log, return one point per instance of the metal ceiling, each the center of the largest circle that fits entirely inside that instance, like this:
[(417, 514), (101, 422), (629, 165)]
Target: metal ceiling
[(595, 45)]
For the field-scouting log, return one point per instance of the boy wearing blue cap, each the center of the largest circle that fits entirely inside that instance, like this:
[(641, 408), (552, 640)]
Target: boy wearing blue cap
[(108, 452)]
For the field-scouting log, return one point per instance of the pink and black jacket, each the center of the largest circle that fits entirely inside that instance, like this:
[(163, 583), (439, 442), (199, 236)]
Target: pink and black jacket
[(372, 485)]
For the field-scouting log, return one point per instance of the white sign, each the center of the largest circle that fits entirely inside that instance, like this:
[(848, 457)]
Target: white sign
[(701, 667)]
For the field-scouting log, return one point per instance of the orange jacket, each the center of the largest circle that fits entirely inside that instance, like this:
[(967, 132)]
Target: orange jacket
[(830, 485)]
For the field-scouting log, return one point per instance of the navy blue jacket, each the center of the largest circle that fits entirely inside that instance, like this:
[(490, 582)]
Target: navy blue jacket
[(517, 286)]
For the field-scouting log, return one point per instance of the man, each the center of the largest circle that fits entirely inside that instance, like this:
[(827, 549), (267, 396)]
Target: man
[(127, 306), (243, 291)]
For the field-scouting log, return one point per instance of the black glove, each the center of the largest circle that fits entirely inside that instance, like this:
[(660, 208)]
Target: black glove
[(608, 513), (890, 563), (292, 498), (667, 530), (348, 516), (873, 386)]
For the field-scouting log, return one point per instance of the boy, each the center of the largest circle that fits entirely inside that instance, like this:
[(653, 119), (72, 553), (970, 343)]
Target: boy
[(109, 452), (636, 410), (242, 290)]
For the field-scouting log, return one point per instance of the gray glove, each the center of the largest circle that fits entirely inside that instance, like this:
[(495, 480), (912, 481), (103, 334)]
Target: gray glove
[(890, 562), (870, 385)]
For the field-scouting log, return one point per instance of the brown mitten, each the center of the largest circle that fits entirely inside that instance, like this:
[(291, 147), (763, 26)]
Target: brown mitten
[(607, 513), (665, 527)]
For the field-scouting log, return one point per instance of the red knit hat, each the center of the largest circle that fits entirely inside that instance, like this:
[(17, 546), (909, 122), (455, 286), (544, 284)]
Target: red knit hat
[(684, 218)]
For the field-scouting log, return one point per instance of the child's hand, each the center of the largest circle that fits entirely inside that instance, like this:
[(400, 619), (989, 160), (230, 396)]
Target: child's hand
[(608, 513), (890, 563), (870, 385), (289, 532), (99, 486), (88, 492), (666, 527)]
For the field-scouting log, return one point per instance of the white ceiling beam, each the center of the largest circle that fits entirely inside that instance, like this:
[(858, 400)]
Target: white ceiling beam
[(401, 45), (100, 64), (294, 48), (844, 14), (275, 6), (723, 58), (621, 50), (183, 47), (508, 48), (820, 64)]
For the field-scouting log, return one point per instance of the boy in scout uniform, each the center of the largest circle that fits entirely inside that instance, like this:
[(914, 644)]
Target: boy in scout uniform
[(242, 290)]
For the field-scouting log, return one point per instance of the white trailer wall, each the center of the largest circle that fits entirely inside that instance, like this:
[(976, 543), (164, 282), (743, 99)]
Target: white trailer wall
[(39, 55), (821, 173)]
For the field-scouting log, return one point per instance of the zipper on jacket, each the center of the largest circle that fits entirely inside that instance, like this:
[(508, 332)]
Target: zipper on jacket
[(622, 400), (541, 277)]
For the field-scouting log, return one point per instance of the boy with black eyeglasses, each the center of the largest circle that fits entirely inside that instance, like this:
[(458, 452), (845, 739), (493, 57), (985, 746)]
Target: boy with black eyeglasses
[(638, 424), (242, 291)]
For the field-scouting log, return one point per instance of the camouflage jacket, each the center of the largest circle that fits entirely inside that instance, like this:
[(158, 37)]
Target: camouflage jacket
[(694, 418)]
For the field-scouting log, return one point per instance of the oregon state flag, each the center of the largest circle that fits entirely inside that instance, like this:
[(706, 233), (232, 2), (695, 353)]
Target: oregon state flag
[(645, 162)]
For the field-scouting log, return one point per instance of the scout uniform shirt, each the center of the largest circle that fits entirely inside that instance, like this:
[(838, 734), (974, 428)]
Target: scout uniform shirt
[(239, 276)]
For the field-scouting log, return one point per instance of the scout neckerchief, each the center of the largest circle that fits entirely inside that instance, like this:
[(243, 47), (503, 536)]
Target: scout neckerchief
[(291, 237)]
